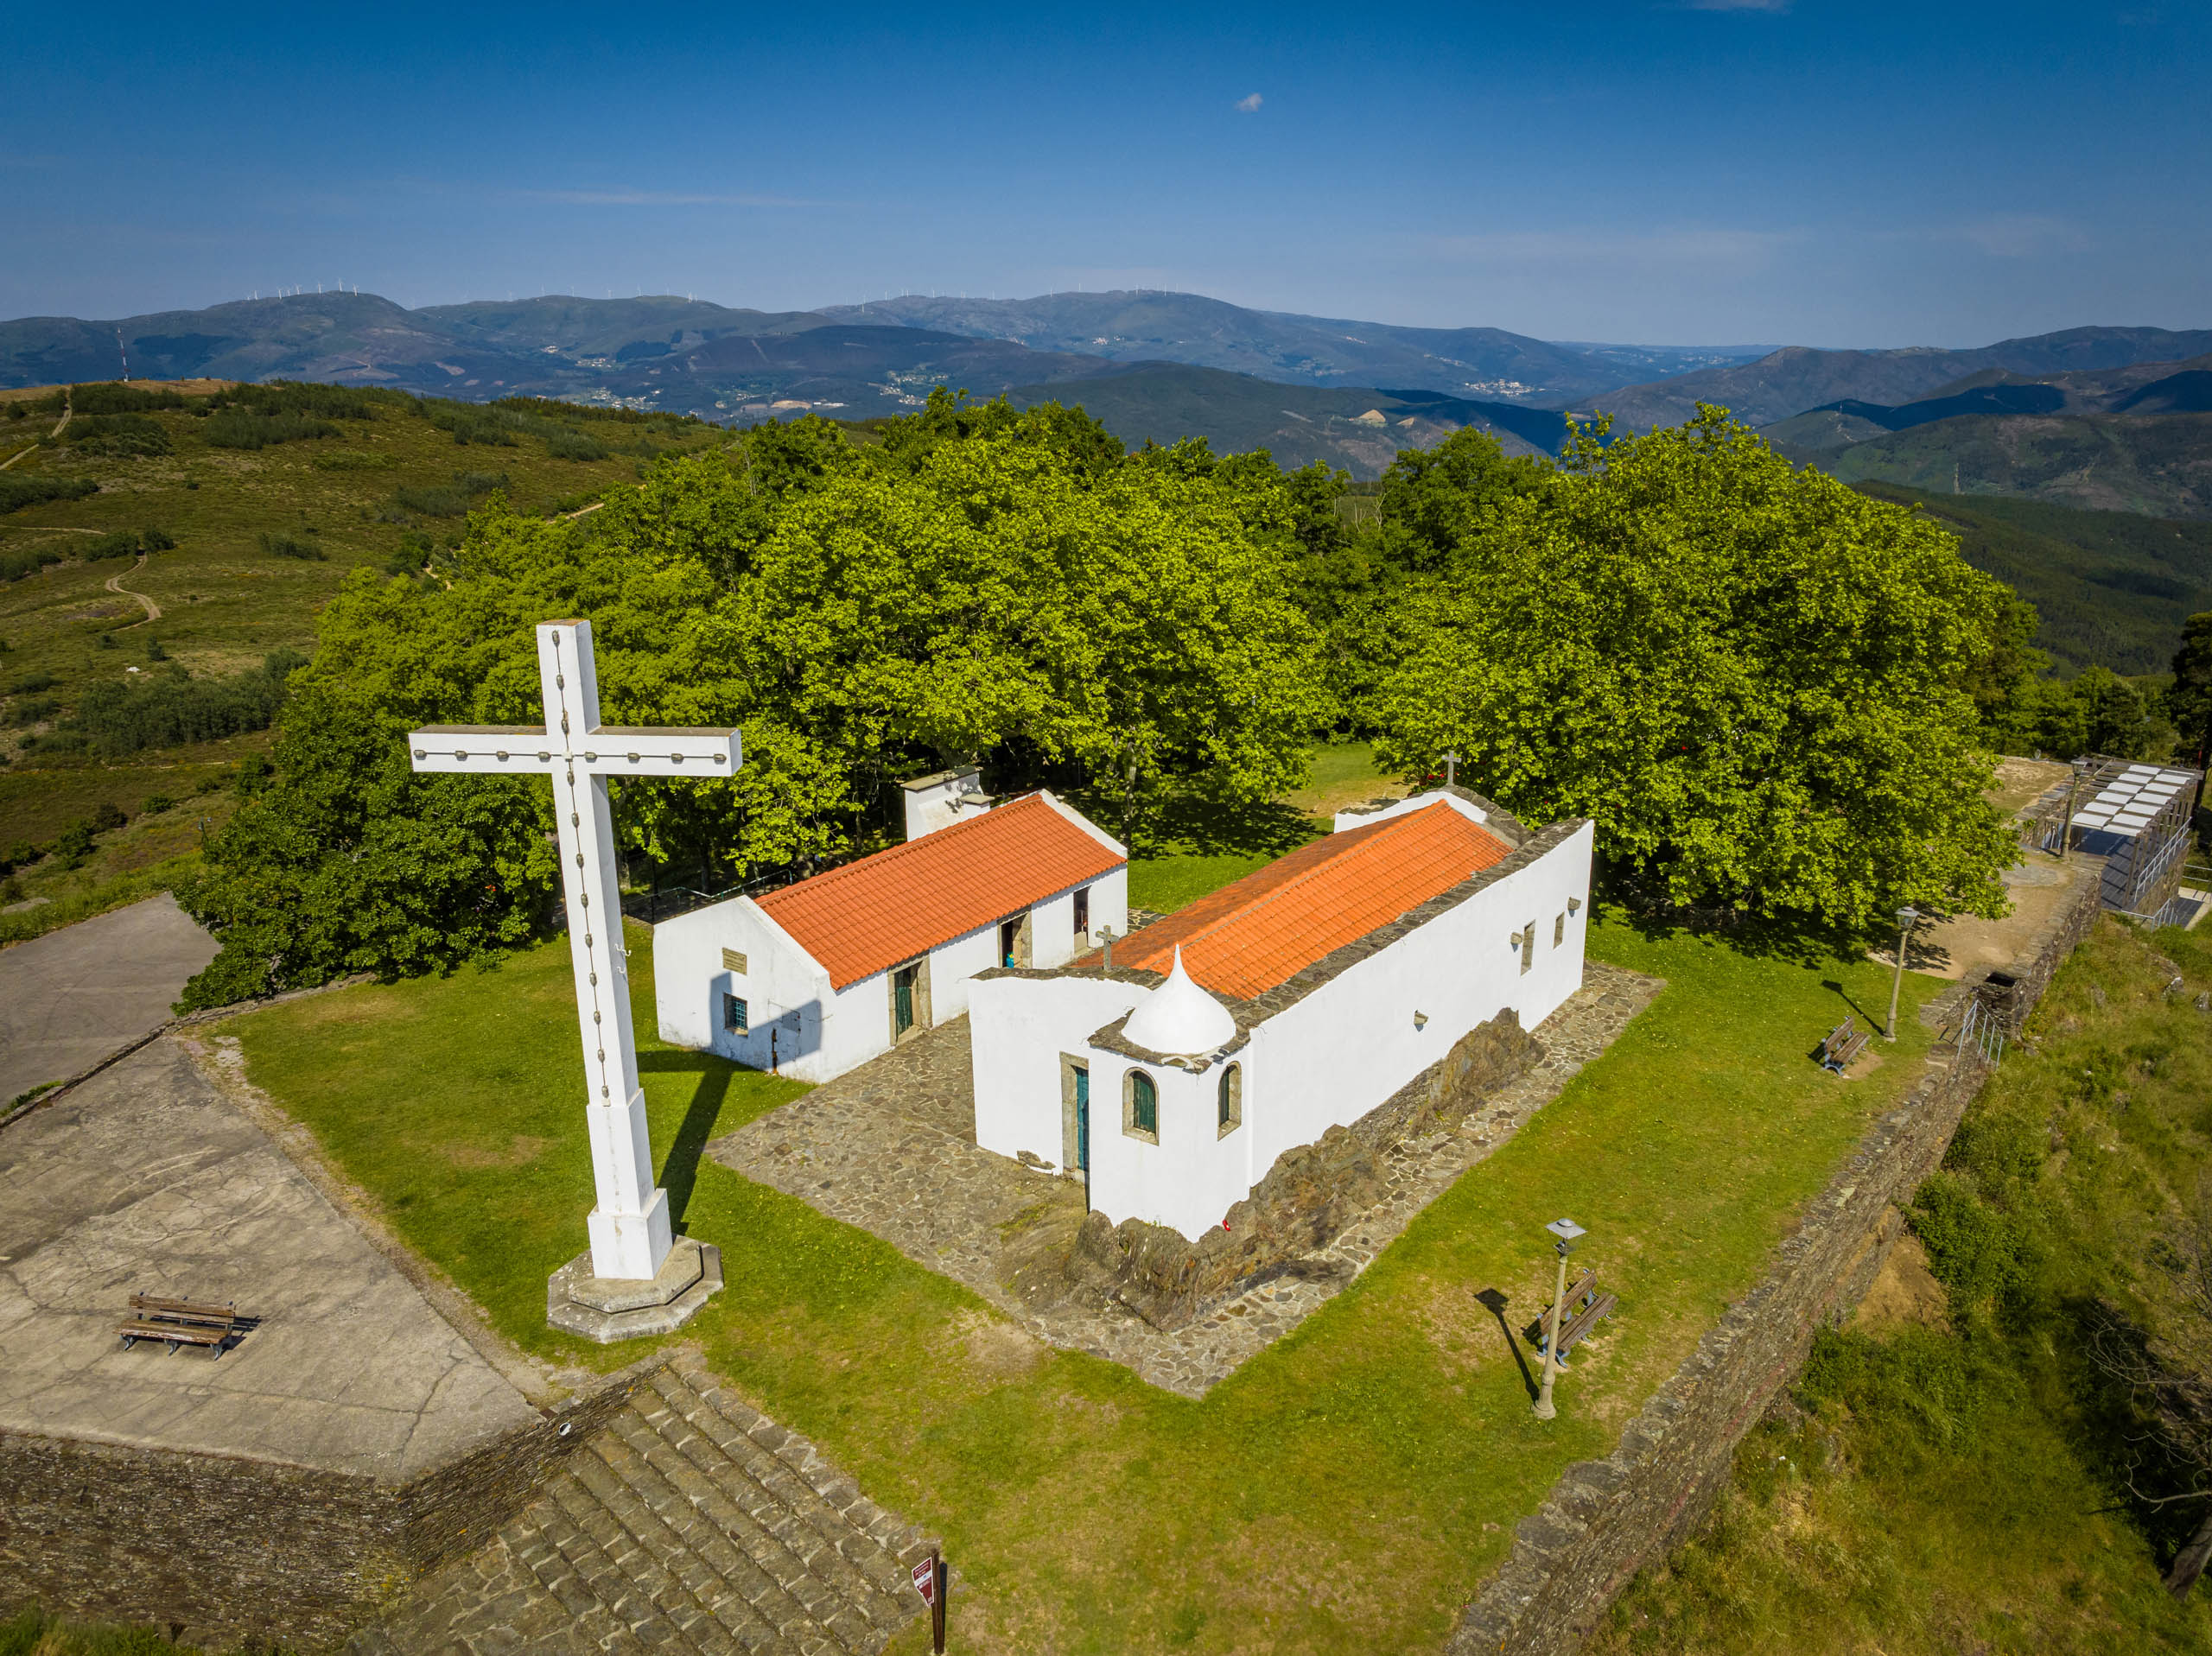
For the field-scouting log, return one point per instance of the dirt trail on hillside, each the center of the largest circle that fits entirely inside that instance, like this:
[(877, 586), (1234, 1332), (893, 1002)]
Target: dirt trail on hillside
[(114, 584)]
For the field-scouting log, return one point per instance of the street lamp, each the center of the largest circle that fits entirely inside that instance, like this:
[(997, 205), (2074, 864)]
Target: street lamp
[(1906, 916), (1566, 1230)]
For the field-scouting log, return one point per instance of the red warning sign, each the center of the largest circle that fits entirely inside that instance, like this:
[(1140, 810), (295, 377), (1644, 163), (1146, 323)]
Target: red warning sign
[(926, 1580)]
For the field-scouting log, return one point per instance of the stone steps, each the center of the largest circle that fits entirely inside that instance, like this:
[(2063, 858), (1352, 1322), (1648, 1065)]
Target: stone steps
[(690, 1525)]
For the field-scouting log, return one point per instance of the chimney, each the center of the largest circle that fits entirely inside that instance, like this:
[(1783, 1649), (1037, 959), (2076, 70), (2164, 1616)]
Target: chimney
[(940, 800)]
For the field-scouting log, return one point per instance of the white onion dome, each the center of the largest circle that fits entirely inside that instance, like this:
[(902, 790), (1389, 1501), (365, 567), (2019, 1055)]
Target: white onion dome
[(1179, 1017)]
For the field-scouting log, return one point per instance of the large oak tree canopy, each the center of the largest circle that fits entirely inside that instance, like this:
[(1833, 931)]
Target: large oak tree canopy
[(1755, 680)]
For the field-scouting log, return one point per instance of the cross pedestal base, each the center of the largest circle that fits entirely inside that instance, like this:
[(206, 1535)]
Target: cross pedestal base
[(607, 1309)]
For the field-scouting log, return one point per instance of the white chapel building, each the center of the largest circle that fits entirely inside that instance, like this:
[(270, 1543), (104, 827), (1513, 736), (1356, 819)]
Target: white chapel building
[(816, 978), (1298, 999)]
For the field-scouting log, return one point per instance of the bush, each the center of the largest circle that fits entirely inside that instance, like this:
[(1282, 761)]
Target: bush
[(117, 544), (121, 436), (438, 501), (242, 428), (107, 816), (154, 804), (19, 854), (353, 459), (567, 445), (31, 709), (292, 546), (16, 492), (111, 396), (158, 540), (32, 683), (173, 709), (74, 843), (15, 566)]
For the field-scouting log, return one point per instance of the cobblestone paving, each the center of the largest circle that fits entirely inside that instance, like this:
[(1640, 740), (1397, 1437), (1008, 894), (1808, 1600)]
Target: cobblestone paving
[(891, 1147), (690, 1523)]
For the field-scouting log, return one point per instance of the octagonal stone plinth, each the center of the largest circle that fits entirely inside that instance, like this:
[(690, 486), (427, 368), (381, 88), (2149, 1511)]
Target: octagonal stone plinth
[(607, 1309)]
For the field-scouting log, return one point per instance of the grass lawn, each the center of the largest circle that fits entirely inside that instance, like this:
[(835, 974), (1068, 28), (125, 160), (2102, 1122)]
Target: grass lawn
[(1345, 1491), (1960, 1481)]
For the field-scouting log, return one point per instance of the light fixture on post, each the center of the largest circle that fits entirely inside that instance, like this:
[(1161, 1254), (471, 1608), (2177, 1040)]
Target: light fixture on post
[(1565, 1233), (1906, 918)]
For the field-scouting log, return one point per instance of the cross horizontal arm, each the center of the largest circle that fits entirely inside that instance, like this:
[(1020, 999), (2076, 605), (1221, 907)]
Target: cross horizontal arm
[(635, 750), (522, 749)]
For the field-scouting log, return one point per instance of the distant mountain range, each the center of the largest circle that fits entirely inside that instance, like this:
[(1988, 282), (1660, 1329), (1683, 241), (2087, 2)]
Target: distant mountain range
[(1796, 379), (2135, 439), (1157, 366)]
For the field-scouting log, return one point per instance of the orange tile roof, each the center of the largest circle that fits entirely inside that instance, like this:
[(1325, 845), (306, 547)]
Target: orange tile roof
[(870, 915), (1246, 938)]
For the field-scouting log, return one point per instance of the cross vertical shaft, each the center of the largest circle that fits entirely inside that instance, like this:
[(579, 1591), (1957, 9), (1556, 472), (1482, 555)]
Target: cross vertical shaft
[(630, 1226)]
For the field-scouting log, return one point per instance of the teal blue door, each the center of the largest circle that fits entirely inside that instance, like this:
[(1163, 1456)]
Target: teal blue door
[(1083, 1120)]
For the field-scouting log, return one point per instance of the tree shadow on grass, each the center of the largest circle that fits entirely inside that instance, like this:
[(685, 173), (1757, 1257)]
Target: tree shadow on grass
[(1210, 826), (679, 1171)]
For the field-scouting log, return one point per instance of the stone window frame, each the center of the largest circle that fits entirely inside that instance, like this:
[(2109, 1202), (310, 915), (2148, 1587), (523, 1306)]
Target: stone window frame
[(1070, 1156), (1024, 951), (1130, 1123), (736, 1015), (1228, 1101), (920, 968), (1528, 947), (1559, 929)]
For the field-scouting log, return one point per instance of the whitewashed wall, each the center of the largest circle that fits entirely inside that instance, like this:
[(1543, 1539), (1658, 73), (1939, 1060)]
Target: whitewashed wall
[(1326, 1060), (1357, 818), (837, 1029), (780, 978), (1017, 1029)]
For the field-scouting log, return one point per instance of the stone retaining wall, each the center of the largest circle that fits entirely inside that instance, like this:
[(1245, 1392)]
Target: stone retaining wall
[(251, 1552), (1606, 1520)]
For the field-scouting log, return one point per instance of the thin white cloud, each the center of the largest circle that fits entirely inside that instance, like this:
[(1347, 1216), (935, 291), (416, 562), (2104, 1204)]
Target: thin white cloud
[(1711, 249), (1248, 105), (2021, 235), (662, 198)]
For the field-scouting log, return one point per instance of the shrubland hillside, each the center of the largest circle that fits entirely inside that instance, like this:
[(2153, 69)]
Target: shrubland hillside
[(159, 551)]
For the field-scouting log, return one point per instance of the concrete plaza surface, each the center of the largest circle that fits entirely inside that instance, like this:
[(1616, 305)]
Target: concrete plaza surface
[(145, 1179), (69, 998)]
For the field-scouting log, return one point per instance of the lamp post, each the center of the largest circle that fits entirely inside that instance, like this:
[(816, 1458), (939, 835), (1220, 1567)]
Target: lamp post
[(1565, 1231), (1906, 916)]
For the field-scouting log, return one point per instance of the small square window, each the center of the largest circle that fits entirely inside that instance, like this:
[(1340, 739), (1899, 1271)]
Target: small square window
[(734, 961), (735, 1015)]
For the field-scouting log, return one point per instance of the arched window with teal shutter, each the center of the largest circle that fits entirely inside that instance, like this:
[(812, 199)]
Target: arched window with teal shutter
[(1141, 1105)]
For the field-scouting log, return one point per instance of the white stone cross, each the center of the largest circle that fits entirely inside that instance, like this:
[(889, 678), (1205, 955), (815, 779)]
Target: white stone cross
[(629, 1228)]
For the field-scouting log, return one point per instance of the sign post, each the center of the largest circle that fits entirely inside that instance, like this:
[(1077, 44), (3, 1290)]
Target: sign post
[(932, 1579)]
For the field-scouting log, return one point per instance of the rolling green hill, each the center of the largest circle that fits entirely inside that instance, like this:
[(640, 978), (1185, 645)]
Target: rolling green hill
[(2113, 588), (2159, 465), (262, 537)]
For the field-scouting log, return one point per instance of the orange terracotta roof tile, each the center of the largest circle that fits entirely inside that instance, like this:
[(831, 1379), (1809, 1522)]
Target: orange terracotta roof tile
[(873, 914), (1244, 939)]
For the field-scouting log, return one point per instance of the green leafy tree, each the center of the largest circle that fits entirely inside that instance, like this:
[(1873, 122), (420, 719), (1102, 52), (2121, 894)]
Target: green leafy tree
[(1002, 595), (2189, 703), (1755, 681)]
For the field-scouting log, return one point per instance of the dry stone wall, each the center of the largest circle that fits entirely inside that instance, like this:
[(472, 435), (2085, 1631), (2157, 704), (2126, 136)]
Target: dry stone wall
[(249, 1552), (1605, 1520)]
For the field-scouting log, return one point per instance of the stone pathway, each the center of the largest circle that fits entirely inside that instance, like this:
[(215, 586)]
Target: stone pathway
[(690, 1523), (891, 1147)]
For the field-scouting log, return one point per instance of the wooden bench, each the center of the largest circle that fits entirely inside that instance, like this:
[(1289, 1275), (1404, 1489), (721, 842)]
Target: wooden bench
[(179, 1323), (1590, 1307), (1844, 1044)]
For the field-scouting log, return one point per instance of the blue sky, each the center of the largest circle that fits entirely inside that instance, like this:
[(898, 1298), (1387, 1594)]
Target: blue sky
[(1807, 172)]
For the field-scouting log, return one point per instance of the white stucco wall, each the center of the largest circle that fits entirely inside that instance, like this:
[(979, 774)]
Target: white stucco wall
[(780, 980), (1017, 1028), (1326, 1060), (1358, 817), (837, 1029)]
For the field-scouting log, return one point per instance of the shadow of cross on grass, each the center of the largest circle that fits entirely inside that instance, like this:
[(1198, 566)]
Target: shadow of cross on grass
[(679, 1170)]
